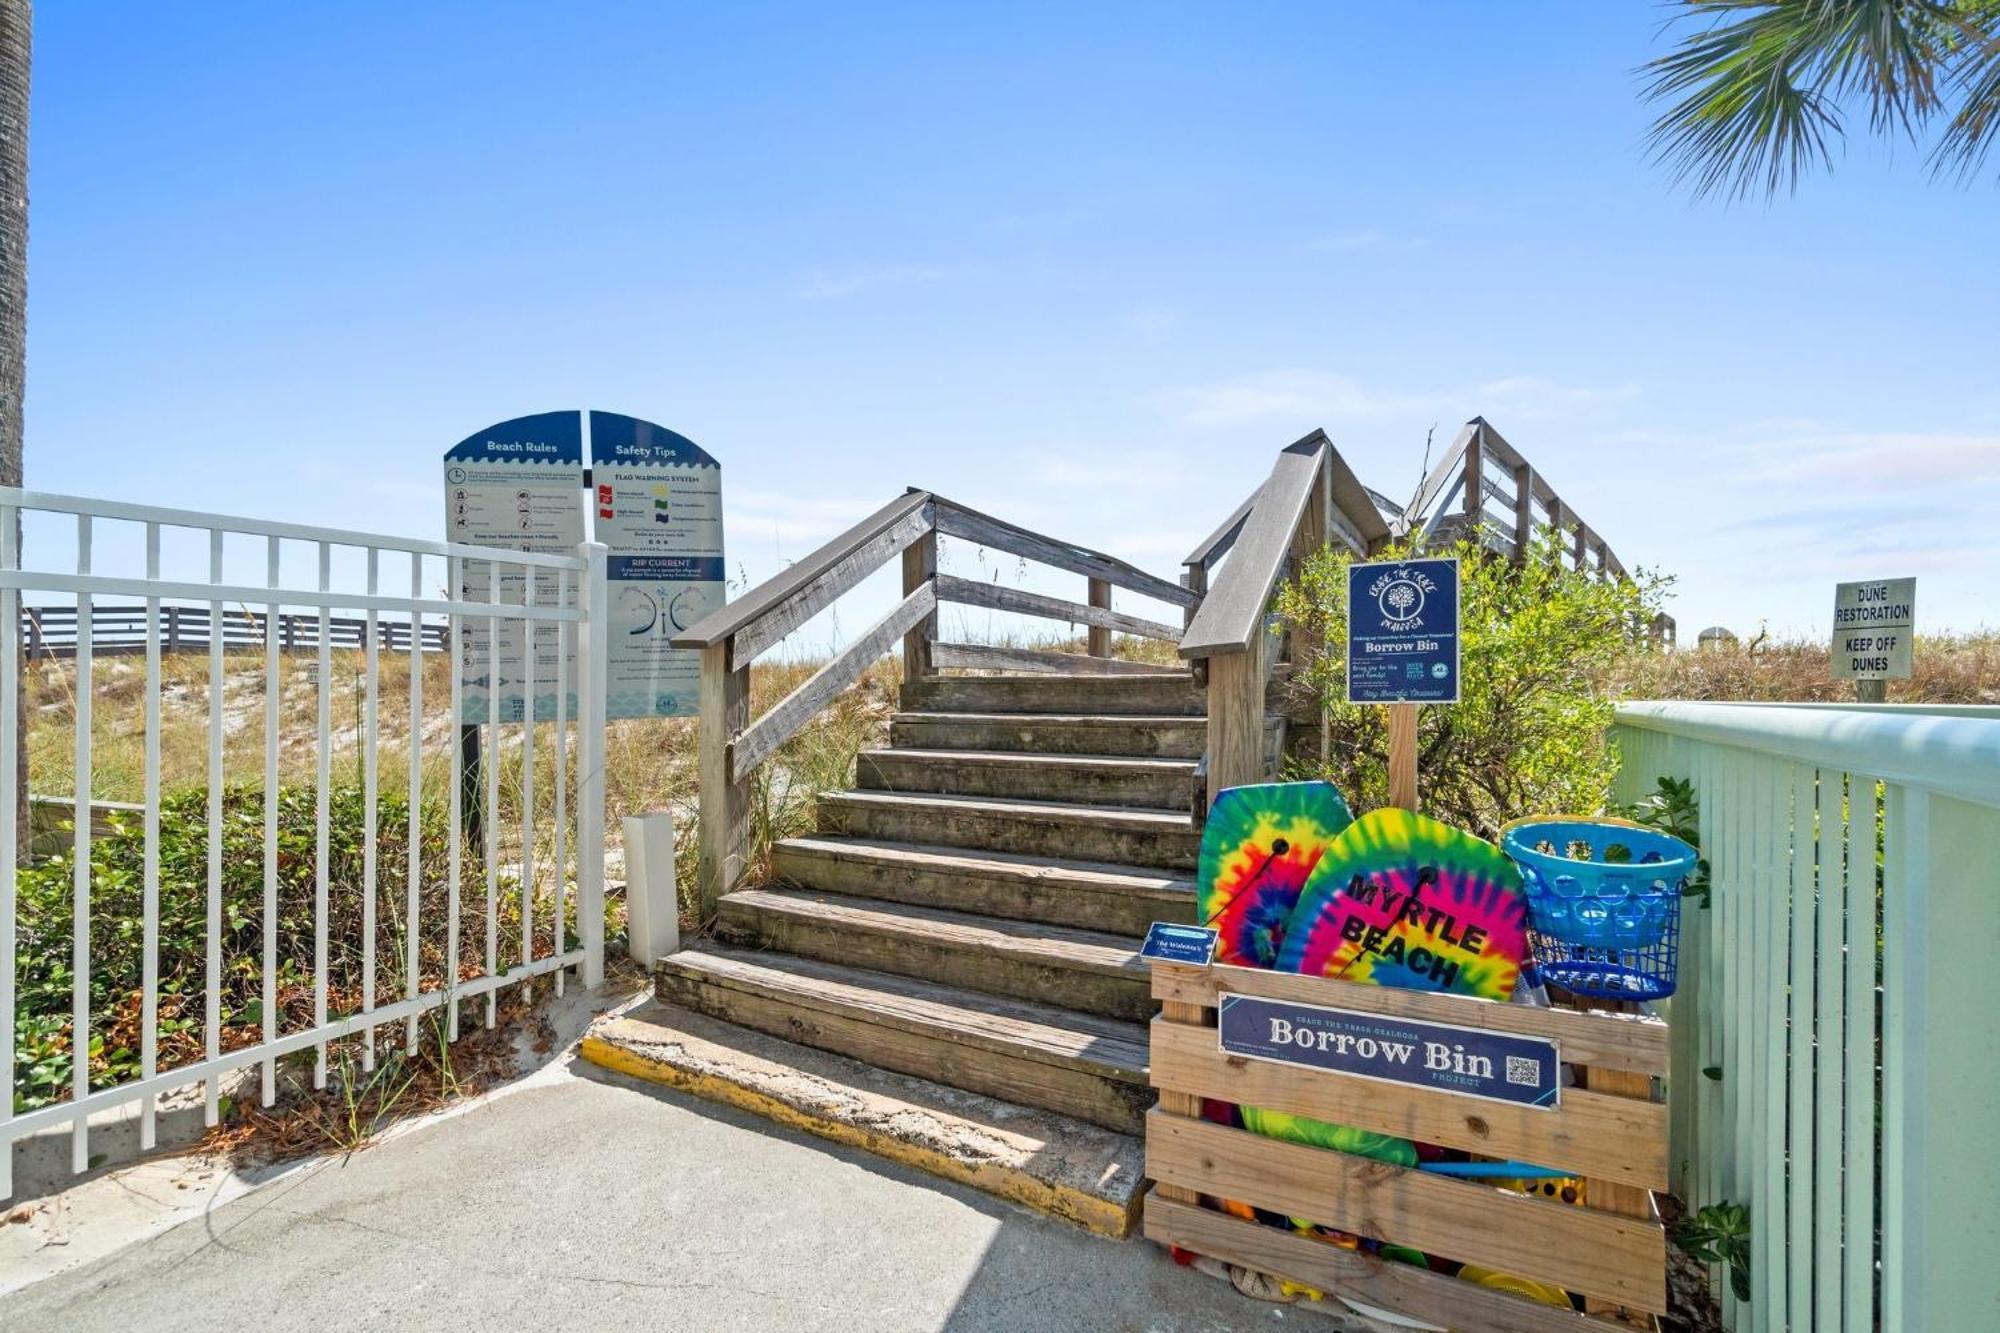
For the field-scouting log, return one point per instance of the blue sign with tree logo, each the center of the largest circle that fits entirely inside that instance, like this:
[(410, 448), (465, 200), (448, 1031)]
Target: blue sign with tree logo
[(1402, 632)]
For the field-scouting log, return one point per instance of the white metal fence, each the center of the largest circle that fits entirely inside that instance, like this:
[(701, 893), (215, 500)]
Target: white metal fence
[(1836, 1046), (548, 857)]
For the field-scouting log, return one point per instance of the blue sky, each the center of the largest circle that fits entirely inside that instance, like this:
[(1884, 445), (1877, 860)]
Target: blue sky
[(1084, 267)]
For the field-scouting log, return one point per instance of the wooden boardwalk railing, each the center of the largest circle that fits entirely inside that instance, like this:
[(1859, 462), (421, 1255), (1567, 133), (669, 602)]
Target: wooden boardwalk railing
[(733, 744), (51, 631), (1310, 497)]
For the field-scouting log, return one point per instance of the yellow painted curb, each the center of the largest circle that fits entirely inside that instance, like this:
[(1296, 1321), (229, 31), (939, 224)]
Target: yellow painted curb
[(1072, 1205)]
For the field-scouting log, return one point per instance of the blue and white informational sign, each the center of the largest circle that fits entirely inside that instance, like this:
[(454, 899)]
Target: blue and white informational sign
[(1473, 1062), (657, 499), (1402, 632), (515, 485), (1170, 943)]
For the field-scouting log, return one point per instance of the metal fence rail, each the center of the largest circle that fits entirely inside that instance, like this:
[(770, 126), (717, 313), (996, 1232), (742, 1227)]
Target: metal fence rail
[(1833, 1063), (559, 602), (51, 631)]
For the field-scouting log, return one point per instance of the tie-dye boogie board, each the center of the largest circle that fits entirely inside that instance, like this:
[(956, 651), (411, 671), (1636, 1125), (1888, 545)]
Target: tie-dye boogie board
[(1258, 848), (1401, 900)]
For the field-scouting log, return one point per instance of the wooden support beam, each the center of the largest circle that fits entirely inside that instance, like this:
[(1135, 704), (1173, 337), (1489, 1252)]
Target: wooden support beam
[(725, 798), (757, 742), (1100, 634), (982, 657), (919, 568), (974, 592), (1236, 717)]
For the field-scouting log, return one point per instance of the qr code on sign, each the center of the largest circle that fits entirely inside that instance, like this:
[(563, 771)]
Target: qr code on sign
[(1524, 1070)]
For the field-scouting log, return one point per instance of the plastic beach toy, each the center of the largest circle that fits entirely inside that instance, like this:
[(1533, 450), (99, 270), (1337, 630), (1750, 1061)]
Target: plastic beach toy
[(1258, 847), (1604, 903), (1402, 900)]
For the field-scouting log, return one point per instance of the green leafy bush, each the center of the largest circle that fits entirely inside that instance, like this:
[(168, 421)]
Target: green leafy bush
[(1539, 641), (117, 875)]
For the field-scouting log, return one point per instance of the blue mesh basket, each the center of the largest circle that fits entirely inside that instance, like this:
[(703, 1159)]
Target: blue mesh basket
[(1604, 903)]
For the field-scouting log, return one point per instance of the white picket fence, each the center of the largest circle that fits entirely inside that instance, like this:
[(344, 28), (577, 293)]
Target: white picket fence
[(109, 549), (1835, 1033)]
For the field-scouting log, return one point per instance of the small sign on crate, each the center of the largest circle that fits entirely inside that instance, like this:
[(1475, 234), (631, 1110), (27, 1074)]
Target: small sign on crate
[(1169, 943), (1498, 1066)]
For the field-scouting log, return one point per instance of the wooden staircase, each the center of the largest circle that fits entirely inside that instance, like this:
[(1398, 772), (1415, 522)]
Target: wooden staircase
[(972, 912), (946, 972)]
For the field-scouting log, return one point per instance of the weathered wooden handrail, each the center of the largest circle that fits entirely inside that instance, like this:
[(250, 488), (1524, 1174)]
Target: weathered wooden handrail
[(955, 520), (1291, 502), (1482, 465), (729, 639)]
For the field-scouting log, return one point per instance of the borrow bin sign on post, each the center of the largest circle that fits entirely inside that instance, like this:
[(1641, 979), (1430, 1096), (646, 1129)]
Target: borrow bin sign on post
[(1402, 632)]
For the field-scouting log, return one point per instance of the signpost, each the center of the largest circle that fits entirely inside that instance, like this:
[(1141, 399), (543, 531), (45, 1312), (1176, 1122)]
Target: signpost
[(1402, 651), (657, 500), (1873, 624)]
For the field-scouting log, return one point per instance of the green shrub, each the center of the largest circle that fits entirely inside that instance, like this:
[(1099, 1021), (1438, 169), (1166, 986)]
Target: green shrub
[(117, 873), (1538, 643)]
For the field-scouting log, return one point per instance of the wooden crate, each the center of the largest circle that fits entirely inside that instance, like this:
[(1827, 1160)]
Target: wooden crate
[(1609, 1128)]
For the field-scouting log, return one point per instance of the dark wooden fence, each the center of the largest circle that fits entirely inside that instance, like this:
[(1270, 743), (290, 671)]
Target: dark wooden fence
[(51, 631)]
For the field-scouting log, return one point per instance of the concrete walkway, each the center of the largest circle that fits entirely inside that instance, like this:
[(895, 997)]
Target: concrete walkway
[(592, 1202)]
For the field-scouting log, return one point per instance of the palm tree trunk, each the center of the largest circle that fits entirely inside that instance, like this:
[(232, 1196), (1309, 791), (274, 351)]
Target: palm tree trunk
[(16, 46)]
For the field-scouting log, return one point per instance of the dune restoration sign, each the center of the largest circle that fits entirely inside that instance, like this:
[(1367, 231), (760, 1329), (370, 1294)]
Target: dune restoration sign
[(1873, 624)]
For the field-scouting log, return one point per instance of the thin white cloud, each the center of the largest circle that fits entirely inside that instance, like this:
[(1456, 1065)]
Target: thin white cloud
[(1530, 396), (1317, 397), (1364, 239), (1311, 396), (834, 285), (1900, 460)]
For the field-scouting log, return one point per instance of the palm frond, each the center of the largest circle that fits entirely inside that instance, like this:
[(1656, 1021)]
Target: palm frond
[(1756, 94), (1976, 80)]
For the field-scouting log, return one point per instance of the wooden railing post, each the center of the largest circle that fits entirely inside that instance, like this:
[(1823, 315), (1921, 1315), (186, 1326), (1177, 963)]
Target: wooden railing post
[(1194, 577), (1100, 636), (725, 800), (1524, 510), (1475, 483), (1236, 717), (920, 567)]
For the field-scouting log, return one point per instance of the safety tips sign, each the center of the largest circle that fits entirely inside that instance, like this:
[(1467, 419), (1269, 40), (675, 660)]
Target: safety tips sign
[(514, 486), (1872, 627), (1402, 632), (656, 498)]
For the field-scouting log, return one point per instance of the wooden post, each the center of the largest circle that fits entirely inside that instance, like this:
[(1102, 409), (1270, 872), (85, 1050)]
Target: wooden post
[(1100, 637), (1625, 1200), (1403, 756), (1871, 691), (919, 567), (1524, 510), (725, 800), (1475, 484), (1194, 578), (1236, 717)]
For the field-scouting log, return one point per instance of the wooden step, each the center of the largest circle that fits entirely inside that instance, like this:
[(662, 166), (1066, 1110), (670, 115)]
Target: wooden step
[(1084, 779), (1122, 835), (1161, 736), (1088, 971), (1170, 694), (1119, 900), (1052, 1163), (1030, 1054)]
